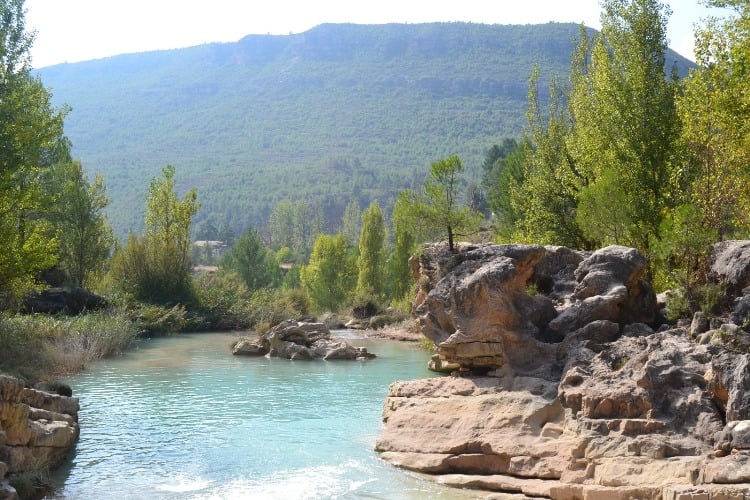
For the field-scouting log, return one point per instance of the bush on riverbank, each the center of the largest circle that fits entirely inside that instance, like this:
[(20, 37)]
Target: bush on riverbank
[(40, 347)]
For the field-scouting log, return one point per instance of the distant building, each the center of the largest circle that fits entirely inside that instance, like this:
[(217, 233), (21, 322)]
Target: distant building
[(211, 249)]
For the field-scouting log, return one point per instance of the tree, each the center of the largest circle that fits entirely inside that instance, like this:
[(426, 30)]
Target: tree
[(439, 208), (505, 187), (714, 108), (404, 244), (351, 222), (626, 126), (253, 262), (371, 261), (85, 237), (331, 275), (156, 267), (294, 225), (536, 196), (31, 142), (281, 224)]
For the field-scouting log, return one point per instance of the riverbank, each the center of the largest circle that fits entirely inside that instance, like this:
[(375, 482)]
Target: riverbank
[(405, 331)]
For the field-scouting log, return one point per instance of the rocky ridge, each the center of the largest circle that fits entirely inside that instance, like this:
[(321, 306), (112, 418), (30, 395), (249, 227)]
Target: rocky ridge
[(567, 386), (37, 430)]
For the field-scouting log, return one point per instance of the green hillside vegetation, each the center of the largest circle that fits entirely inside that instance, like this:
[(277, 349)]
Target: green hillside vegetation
[(339, 113)]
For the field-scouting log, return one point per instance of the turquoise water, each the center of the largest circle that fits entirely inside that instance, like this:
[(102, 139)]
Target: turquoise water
[(181, 418)]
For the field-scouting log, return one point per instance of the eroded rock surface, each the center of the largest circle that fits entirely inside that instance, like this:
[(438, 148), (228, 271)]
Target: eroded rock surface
[(299, 340), (37, 429), (567, 385)]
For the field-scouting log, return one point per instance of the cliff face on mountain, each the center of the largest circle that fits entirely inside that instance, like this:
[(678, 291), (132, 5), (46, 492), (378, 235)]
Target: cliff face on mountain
[(37, 430), (567, 384)]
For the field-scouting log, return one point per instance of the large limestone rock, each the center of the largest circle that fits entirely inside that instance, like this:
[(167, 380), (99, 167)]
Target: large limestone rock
[(567, 386), (488, 306), (299, 340), (37, 429)]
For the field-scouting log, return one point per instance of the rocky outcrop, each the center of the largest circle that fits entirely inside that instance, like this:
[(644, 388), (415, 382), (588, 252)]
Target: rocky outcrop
[(37, 429), (299, 340), (567, 385)]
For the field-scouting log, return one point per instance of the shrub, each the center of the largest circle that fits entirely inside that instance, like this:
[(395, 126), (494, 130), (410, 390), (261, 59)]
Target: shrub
[(159, 320), (223, 302), (365, 304), (43, 347)]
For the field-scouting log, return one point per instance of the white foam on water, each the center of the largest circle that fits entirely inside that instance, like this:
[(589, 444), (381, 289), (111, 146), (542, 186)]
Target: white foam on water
[(324, 481), (182, 484)]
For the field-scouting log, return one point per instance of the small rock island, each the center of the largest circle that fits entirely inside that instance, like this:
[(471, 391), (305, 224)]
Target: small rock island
[(299, 340)]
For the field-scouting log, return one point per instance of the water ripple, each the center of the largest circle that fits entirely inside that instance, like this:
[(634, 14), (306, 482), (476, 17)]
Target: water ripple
[(182, 418)]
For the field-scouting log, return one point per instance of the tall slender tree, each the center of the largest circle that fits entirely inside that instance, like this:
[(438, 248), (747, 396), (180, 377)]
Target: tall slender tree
[(404, 244), (31, 142), (626, 126), (85, 237), (371, 261)]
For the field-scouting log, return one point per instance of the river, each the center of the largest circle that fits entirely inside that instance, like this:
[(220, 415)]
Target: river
[(181, 418)]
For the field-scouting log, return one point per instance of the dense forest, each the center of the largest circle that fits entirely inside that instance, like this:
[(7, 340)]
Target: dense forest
[(337, 114)]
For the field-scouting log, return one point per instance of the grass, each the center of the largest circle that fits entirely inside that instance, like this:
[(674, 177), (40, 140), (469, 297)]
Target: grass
[(43, 348)]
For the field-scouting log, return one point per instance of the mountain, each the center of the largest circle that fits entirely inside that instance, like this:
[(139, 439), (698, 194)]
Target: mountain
[(339, 112)]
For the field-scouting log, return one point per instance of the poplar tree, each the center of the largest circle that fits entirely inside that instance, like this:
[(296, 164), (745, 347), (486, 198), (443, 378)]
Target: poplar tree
[(715, 112), (331, 275), (31, 143), (404, 244), (626, 126), (371, 262), (156, 267), (85, 237)]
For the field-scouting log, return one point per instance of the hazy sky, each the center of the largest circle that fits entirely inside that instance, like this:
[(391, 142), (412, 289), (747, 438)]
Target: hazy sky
[(77, 30)]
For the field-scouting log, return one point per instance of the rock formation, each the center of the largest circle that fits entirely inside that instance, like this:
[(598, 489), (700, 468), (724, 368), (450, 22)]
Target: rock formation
[(299, 340), (37, 430), (564, 390)]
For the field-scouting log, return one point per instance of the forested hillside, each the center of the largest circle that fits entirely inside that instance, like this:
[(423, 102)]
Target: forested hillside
[(338, 113)]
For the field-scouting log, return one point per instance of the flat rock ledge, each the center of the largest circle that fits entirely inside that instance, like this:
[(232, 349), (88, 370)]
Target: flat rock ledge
[(299, 340), (37, 430), (566, 384)]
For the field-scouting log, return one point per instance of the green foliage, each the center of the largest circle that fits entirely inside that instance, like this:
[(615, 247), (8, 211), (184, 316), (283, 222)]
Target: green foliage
[(85, 238), (269, 308), (439, 209), (31, 143), (43, 347), (404, 245), (682, 253), (351, 222), (253, 262), (156, 267), (294, 225), (371, 260), (544, 180), (154, 319), (223, 302), (365, 303), (602, 163), (624, 138), (331, 275), (379, 102), (714, 109)]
